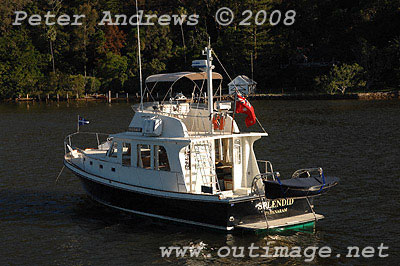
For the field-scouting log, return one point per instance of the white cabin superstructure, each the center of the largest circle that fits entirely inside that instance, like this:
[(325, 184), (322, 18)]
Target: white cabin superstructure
[(169, 157), (184, 159)]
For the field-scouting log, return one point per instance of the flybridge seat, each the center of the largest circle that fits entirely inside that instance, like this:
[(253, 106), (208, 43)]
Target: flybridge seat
[(298, 187)]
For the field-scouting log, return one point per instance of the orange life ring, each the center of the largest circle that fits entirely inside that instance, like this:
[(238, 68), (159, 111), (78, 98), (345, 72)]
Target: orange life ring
[(218, 122)]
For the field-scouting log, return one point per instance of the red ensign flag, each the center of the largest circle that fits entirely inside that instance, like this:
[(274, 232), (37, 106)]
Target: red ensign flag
[(243, 106)]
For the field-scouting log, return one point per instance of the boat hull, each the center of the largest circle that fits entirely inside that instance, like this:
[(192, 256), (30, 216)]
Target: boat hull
[(219, 214), (192, 212)]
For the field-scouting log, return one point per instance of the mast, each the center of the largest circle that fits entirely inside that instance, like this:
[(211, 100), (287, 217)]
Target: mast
[(140, 58), (209, 68)]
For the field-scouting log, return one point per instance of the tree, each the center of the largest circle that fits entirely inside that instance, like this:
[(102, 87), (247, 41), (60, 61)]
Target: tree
[(7, 10), (52, 31), (290, 57), (375, 61), (112, 72), (20, 65), (395, 54), (92, 85), (341, 78), (115, 39), (85, 32), (77, 84), (157, 50)]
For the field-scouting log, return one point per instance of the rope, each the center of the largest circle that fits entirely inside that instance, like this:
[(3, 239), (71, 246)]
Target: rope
[(60, 174), (259, 123), (226, 72)]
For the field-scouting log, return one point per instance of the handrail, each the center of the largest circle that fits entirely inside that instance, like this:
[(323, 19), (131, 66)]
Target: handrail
[(269, 173), (175, 114), (308, 171), (157, 111), (89, 133), (79, 150), (68, 139)]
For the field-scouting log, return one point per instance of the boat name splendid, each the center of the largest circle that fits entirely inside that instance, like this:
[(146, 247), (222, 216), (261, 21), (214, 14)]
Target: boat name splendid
[(272, 204)]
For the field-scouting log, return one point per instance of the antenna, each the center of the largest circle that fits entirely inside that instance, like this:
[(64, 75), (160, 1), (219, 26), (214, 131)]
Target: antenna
[(209, 68), (139, 59)]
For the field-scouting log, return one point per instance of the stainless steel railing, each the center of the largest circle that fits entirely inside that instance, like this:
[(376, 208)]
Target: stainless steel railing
[(68, 140)]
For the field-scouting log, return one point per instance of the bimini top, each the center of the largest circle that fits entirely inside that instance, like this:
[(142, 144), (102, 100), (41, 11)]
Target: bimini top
[(172, 77)]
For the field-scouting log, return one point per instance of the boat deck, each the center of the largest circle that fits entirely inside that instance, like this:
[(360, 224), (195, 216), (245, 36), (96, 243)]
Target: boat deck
[(281, 223)]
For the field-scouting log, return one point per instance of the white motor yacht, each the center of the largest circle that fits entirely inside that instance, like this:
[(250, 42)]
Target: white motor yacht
[(184, 159)]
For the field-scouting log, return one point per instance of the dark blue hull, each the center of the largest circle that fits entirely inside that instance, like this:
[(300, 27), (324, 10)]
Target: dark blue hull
[(224, 214)]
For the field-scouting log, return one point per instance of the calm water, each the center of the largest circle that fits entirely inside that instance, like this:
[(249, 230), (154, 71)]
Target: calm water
[(43, 223)]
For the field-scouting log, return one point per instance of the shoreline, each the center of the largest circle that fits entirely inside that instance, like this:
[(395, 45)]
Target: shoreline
[(391, 95), (314, 96)]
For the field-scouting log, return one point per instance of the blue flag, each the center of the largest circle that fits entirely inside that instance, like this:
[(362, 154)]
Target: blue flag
[(82, 121)]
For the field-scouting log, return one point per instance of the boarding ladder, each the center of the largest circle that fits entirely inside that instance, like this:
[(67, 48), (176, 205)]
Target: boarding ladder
[(205, 164), (269, 173)]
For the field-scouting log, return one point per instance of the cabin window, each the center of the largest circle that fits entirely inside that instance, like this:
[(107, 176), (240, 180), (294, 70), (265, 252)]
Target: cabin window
[(144, 156), (113, 150), (161, 162), (126, 154)]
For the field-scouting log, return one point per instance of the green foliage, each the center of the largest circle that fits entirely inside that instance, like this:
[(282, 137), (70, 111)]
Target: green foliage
[(92, 85), (93, 58), (7, 9), (341, 78), (85, 33), (157, 48), (78, 84), (20, 65), (113, 72)]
